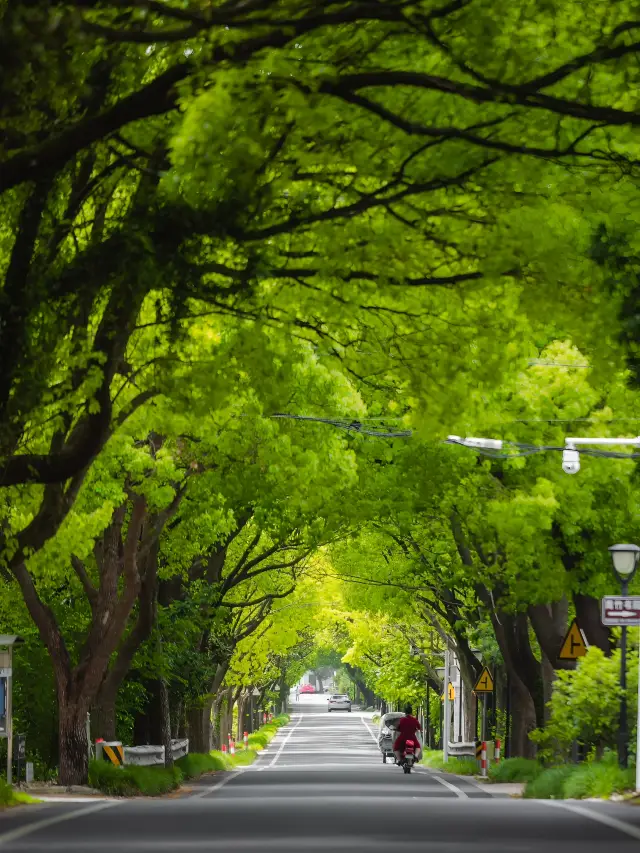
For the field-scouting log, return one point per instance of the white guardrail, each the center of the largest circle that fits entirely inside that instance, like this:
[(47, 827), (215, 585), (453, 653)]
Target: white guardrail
[(462, 750), (147, 756)]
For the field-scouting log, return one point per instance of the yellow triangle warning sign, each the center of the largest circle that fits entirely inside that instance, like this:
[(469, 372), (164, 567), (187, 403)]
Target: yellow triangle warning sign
[(485, 683), (574, 645)]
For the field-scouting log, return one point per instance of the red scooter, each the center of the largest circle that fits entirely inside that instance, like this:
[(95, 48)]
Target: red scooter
[(408, 756)]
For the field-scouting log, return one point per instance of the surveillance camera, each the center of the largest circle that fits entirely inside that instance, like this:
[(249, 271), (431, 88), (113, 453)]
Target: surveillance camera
[(570, 461)]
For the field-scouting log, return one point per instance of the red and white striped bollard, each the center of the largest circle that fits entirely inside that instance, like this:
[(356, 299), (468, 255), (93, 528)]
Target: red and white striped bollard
[(483, 758), (497, 750), (232, 748), (246, 740)]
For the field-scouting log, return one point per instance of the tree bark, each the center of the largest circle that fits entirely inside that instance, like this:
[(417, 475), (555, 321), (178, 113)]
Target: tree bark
[(549, 622), (589, 619), (166, 723), (199, 727), (74, 749)]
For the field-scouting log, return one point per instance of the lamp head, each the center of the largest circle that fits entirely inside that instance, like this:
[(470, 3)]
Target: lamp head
[(625, 560)]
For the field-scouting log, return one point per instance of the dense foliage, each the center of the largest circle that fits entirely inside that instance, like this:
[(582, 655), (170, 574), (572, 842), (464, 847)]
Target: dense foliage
[(257, 260)]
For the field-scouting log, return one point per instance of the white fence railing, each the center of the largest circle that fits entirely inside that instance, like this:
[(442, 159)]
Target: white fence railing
[(150, 755), (462, 750)]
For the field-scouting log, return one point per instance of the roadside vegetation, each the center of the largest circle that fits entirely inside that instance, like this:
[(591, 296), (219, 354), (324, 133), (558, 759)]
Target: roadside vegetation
[(251, 279), (10, 797), (132, 781), (461, 766)]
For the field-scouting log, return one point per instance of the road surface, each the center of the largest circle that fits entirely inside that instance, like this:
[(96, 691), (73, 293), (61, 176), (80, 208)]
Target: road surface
[(321, 786)]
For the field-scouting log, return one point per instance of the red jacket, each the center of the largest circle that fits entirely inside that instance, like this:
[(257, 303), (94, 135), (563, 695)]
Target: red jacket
[(406, 728)]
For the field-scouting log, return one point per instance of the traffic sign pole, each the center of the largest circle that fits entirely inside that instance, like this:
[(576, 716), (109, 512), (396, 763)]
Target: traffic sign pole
[(446, 708), (638, 727)]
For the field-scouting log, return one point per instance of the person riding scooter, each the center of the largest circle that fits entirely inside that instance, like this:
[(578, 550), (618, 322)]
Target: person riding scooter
[(407, 728)]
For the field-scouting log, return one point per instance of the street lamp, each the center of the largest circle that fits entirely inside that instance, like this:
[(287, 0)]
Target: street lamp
[(625, 563)]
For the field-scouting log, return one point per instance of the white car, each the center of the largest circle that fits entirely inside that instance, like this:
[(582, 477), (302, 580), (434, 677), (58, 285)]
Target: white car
[(339, 702)]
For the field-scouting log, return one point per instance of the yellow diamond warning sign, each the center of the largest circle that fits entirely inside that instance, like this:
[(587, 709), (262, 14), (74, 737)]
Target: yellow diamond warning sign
[(574, 645), (452, 692), (485, 683)]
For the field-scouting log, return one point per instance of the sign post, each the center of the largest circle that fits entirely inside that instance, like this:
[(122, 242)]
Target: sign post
[(7, 642), (446, 723), (484, 685), (19, 754), (624, 610)]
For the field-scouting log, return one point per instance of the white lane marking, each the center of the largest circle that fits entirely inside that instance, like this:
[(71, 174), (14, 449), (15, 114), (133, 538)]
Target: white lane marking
[(22, 831), (213, 788), (366, 725), (284, 743), (460, 794), (599, 817)]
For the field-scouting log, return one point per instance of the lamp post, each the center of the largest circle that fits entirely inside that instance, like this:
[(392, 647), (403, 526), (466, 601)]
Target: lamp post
[(625, 562)]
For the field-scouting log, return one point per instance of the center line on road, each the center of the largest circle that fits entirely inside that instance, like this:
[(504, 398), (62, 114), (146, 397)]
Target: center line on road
[(21, 831), (284, 743)]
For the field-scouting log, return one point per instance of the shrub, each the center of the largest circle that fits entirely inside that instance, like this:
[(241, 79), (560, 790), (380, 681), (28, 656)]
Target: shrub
[(548, 785), (129, 781), (593, 779), (515, 770), (597, 779), (259, 740), (9, 797), (585, 706), (460, 766), (243, 758), (196, 763)]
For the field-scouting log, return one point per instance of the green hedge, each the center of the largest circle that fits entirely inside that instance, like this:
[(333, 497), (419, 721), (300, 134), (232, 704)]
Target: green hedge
[(197, 763), (594, 779), (129, 781), (152, 781), (9, 797), (515, 770), (459, 766)]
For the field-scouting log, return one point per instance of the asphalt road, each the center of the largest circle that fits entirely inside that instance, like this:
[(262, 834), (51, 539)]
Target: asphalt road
[(321, 786)]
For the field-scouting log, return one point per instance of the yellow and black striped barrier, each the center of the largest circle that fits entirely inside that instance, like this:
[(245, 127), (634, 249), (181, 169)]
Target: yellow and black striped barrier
[(478, 750), (111, 751)]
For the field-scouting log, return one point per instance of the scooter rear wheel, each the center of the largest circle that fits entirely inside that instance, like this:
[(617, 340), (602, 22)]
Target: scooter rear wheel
[(407, 768)]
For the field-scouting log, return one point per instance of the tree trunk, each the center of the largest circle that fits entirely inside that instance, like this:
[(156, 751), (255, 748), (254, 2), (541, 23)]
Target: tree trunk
[(469, 700), (242, 702), (216, 730), (74, 749), (166, 723), (199, 723), (549, 622), (103, 715), (590, 620), (523, 719)]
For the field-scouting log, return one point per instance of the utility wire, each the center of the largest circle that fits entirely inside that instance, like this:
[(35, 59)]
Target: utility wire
[(348, 425), (521, 450)]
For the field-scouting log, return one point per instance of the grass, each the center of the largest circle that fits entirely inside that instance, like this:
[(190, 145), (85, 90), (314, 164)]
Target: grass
[(129, 781), (197, 763), (10, 797), (460, 766), (515, 770), (153, 781), (580, 781)]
